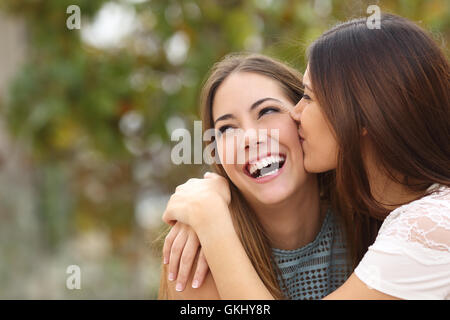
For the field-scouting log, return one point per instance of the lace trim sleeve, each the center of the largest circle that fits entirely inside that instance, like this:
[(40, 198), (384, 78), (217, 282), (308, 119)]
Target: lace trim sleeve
[(424, 223), (410, 258)]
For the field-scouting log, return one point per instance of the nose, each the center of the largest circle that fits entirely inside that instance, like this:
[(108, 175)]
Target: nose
[(253, 138), (297, 111)]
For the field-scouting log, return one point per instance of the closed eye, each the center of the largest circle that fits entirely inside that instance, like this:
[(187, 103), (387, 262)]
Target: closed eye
[(306, 97), (267, 110), (224, 128)]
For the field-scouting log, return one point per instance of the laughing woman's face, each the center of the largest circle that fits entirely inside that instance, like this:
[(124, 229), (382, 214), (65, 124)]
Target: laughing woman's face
[(272, 168), (320, 148)]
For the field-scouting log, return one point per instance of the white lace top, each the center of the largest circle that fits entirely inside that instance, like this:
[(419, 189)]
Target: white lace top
[(410, 258)]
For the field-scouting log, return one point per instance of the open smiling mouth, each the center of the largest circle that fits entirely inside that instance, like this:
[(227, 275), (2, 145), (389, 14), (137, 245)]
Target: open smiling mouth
[(269, 165)]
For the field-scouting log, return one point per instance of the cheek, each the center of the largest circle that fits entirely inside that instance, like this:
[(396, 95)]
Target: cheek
[(333, 149), (313, 125), (290, 138), (226, 147), (288, 130), (230, 170), (226, 151), (307, 120), (324, 146), (325, 136), (285, 129)]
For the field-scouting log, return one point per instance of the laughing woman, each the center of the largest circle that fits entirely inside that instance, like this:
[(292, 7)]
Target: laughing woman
[(376, 109), (281, 213)]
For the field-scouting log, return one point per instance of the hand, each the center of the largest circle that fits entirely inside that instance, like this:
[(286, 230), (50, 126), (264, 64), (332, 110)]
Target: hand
[(192, 201), (180, 249)]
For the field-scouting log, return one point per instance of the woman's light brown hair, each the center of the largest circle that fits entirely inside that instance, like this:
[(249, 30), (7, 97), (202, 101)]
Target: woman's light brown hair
[(250, 231)]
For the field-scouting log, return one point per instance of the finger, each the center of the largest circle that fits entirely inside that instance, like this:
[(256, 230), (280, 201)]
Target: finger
[(207, 174), (211, 175), (166, 216), (201, 271), (168, 241), (169, 214), (175, 254), (187, 260)]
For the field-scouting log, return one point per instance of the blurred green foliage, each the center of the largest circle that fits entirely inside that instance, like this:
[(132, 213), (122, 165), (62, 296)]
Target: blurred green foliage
[(70, 99)]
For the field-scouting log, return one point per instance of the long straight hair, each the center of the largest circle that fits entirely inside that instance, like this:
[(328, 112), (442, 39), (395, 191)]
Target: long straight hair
[(392, 82), (248, 227)]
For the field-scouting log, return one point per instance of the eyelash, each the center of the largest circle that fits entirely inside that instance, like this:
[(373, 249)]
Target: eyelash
[(260, 114), (263, 111), (306, 97), (224, 128)]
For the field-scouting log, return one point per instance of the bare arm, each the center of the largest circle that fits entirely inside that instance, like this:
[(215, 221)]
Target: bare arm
[(231, 268), (202, 204), (237, 279), (355, 289)]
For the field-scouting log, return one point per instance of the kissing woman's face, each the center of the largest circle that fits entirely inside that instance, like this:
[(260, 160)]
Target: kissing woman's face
[(320, 148)]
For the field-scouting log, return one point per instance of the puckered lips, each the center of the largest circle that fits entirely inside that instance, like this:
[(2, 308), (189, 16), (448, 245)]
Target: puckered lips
[(265, 167)]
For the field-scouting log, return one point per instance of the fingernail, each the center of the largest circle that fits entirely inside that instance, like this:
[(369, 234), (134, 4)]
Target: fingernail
[(195, 284), (171, 277), (179, 287)]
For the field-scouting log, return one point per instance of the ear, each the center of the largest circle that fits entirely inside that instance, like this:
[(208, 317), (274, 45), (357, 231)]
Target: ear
[(364, 132)]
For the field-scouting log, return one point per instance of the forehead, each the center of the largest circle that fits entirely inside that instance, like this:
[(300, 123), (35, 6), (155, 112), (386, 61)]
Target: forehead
[(241, 89)]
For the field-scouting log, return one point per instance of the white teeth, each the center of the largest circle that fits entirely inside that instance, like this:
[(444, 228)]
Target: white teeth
[(258, 165), (269, 173)]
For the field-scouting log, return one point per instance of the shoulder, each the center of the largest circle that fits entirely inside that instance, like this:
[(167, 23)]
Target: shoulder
[(207, 291), (410, 257), (424, 222)]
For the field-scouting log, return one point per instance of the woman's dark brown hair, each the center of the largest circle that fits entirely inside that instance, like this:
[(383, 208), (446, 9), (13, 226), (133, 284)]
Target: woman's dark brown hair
[(393, 83)]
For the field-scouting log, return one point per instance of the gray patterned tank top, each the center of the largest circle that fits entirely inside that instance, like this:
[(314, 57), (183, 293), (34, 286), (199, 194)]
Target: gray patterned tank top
[(317, 269)]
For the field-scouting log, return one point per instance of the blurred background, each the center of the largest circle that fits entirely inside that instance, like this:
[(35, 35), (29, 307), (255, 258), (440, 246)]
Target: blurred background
[(86, 117)]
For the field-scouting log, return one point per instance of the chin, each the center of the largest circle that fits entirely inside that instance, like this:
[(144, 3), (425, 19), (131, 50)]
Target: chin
[(272, 197), (312, 166), (317, 168)]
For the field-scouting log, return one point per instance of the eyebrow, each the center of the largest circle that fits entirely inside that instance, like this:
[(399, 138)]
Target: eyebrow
[(253, 106)]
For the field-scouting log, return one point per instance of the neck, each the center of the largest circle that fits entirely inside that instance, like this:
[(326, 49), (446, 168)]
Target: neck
[(296, 221), (389, 193)]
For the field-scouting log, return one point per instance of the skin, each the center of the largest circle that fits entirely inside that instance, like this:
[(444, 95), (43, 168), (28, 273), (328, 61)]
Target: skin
[(207, 291), (318, 140), (233, 274), (278, 203), (181, 247), (269, 115), (245, 284)]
